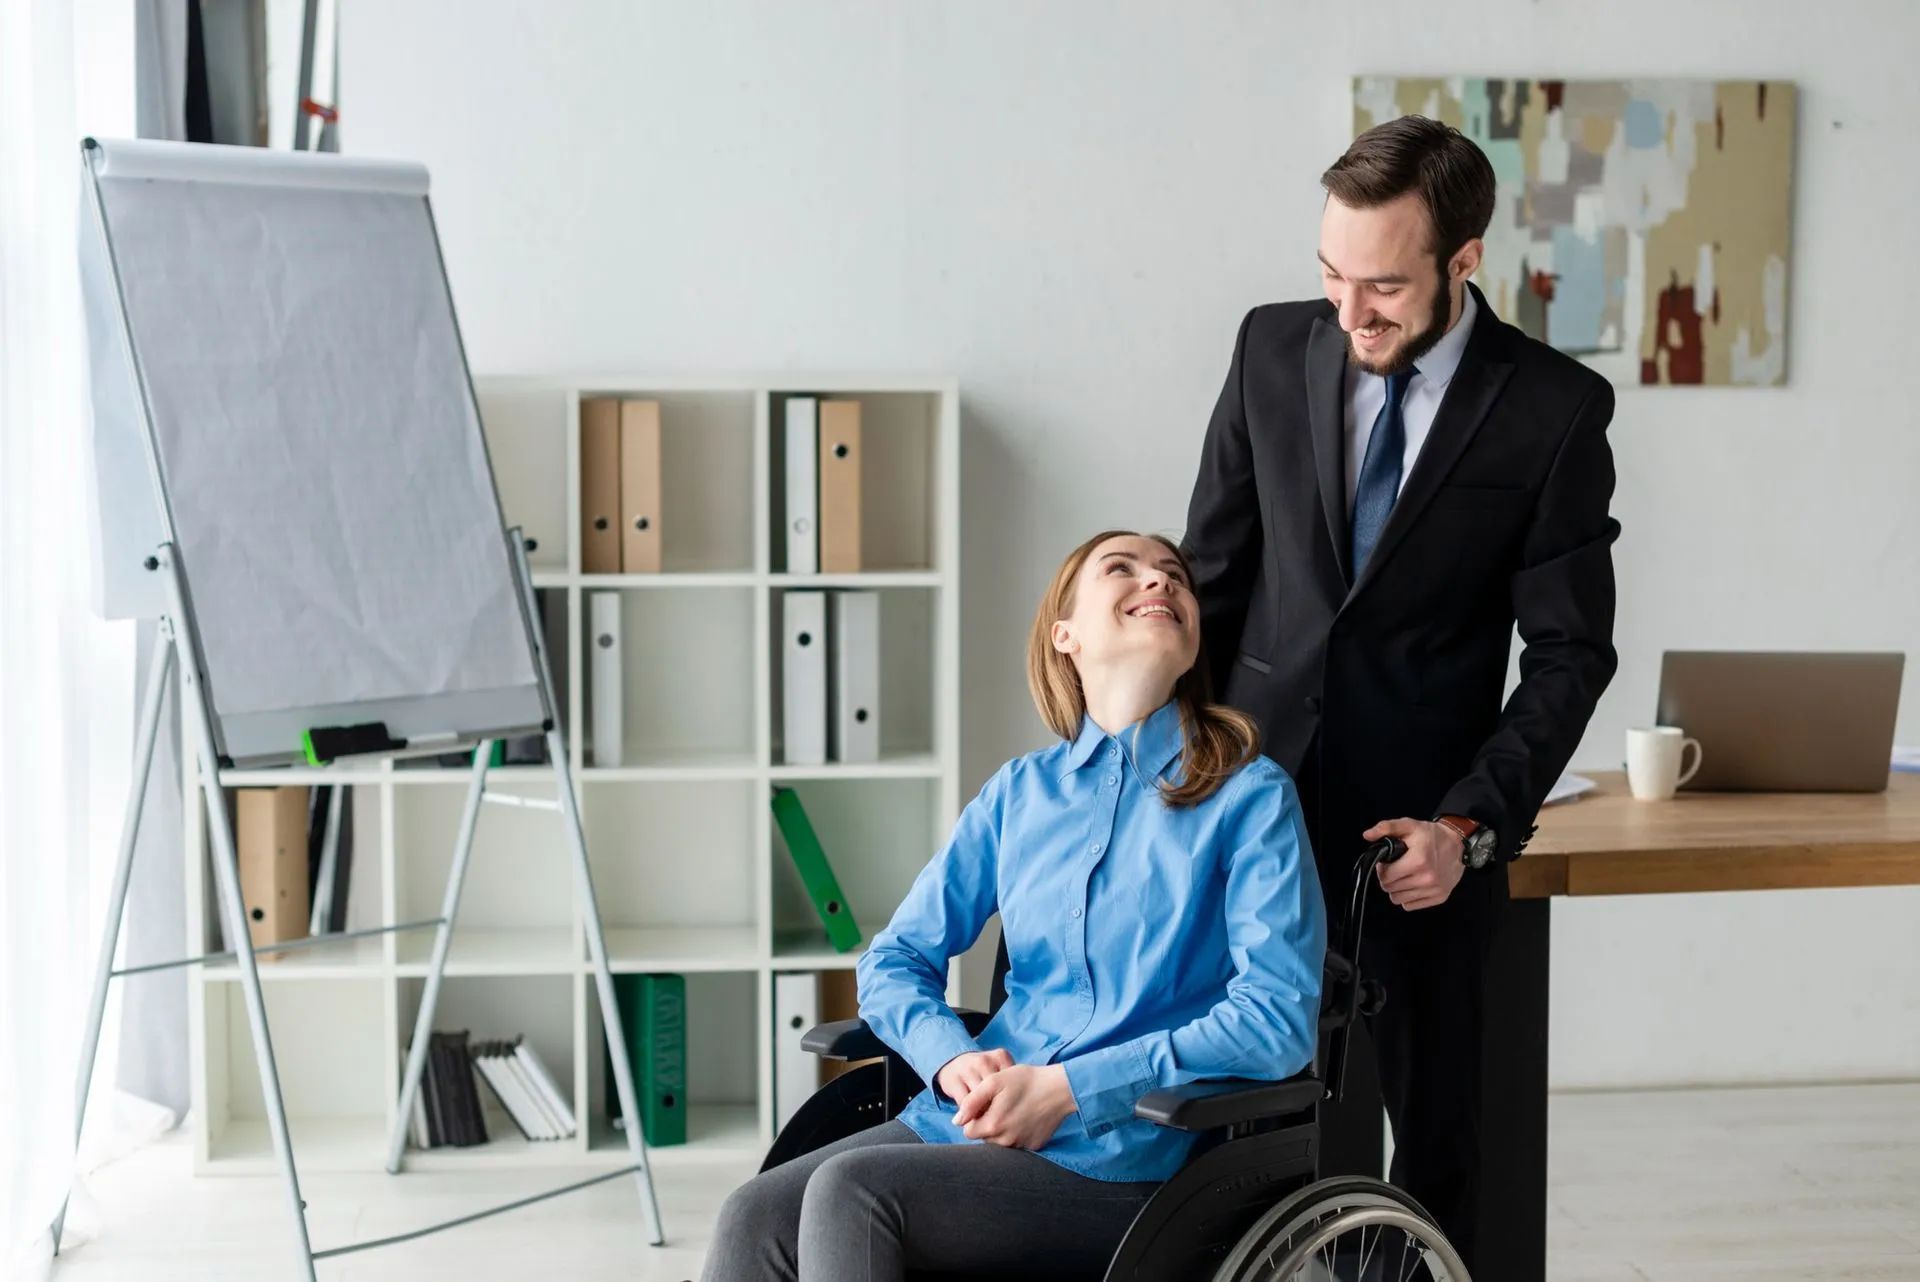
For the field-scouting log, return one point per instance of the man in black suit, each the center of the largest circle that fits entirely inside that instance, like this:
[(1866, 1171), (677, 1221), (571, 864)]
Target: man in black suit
[(1392, 479)]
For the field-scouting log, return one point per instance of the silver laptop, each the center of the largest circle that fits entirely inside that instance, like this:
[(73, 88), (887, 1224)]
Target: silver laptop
[(1784, 721)]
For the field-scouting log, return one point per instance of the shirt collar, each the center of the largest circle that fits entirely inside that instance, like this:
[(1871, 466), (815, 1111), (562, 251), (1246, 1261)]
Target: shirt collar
[(1151, 744), (1439, 365)]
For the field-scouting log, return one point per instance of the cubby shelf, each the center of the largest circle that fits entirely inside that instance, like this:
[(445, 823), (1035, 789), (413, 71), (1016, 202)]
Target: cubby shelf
[(689, 869)]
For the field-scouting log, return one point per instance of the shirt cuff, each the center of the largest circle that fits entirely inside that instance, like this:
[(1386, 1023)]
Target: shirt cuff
[(1107, 1083), (935, 1041)]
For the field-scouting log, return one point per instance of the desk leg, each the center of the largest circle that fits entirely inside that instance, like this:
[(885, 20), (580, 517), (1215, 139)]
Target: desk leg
[(1512, 1245)]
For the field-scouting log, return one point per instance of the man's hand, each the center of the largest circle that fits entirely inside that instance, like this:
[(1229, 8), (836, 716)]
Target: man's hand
[(1018, 1107), (964, 1072), (1431, 868)]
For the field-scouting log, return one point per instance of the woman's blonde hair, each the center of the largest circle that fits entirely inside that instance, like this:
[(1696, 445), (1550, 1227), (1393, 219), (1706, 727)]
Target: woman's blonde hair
[(1216, 740)]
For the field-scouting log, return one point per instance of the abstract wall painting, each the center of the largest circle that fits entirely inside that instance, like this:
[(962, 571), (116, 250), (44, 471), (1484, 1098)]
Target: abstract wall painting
[(1640, 225)]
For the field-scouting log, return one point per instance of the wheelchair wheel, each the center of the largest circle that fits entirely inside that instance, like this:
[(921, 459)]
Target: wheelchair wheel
[(1344, 1230)]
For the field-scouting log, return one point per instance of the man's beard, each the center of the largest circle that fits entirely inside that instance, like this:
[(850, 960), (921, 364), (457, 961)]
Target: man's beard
[(1417, 345)]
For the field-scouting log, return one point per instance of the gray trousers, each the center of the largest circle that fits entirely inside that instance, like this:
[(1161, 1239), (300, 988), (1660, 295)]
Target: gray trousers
[(874, 1205)]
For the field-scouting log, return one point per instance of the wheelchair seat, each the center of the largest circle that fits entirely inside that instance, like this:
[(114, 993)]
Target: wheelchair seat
[(1247, 1195)]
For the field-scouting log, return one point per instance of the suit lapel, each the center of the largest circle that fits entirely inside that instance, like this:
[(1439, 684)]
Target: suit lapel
[(1471, 394), (1327, 415)]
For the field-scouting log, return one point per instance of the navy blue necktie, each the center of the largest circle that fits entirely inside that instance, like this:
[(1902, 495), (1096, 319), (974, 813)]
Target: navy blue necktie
[(1379, 483)]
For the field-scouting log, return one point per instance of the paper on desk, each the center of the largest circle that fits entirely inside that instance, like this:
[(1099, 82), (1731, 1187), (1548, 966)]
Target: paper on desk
[(1569, 786), (1906, 759)]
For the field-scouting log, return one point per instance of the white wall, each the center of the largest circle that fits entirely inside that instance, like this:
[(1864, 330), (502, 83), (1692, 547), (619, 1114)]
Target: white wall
[(1071, 205)]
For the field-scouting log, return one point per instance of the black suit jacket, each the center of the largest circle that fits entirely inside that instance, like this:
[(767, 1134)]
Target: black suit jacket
[(1502, 518)]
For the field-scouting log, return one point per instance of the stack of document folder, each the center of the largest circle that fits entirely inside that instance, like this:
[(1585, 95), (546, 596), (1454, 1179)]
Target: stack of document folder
[(447, 1108), (525, 1089), (653, 1014), (816, 873), (824, 462), (606, 690), (802, 999), (620, 489), (830, 677)]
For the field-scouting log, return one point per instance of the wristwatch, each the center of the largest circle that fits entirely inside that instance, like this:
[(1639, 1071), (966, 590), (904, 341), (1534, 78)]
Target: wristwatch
[(1478, 840)]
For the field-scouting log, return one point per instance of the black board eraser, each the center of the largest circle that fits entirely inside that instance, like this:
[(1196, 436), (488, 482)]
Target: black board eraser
[(326, 743)]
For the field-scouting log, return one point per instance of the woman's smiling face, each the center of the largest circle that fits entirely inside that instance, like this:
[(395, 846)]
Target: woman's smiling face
[(1131, 600)]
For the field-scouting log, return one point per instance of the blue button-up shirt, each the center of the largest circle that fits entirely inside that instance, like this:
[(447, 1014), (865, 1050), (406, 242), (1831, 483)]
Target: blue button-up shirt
[(1150, 946)]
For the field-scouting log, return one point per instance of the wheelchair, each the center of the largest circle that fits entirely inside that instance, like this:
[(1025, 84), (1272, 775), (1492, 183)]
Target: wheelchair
[(1246, 1206)]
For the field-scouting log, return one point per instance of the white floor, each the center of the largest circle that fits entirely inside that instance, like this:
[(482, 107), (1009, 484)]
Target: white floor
[(1672, 1186), (1760, 1185)]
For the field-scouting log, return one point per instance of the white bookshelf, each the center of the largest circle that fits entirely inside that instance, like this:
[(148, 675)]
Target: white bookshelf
[(690, 873)]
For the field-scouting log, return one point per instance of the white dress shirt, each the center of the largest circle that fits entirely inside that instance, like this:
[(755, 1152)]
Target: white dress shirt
[(1367, 393)]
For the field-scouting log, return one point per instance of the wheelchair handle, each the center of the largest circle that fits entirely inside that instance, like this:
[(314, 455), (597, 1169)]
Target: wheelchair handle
[(1384, 851), (1367, 995)]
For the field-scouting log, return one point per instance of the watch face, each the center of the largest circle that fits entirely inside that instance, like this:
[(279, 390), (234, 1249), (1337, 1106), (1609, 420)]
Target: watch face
[(1480, 847)]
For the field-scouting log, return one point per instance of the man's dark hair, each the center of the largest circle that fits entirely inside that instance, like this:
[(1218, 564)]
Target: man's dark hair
[(1452, 177)]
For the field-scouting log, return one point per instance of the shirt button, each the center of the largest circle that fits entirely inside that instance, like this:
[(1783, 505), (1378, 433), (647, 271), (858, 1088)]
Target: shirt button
[(1113, 750), (1112, 780), (1096, 847), (1076, 912)]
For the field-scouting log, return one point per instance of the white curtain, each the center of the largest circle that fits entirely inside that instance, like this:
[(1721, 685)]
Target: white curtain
[(66, 678), (153, 1058)]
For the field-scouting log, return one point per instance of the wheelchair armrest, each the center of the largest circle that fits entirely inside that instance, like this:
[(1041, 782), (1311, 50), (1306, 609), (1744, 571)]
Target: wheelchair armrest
[(846, 1039), (1206, 1106), (843, 1039)]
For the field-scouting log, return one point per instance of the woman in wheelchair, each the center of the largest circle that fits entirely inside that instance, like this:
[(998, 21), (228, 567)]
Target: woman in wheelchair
[(1163, 922)]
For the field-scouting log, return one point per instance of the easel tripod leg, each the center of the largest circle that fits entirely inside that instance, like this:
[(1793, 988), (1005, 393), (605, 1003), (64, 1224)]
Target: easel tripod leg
[(442, 941), (226, 874), (147, 733), (603, 983)]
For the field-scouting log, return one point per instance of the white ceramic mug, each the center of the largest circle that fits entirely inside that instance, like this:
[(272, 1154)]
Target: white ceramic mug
[(1654, 754)]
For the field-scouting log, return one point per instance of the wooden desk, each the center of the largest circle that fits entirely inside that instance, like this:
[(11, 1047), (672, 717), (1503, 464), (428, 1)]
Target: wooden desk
[(1606, 843)]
